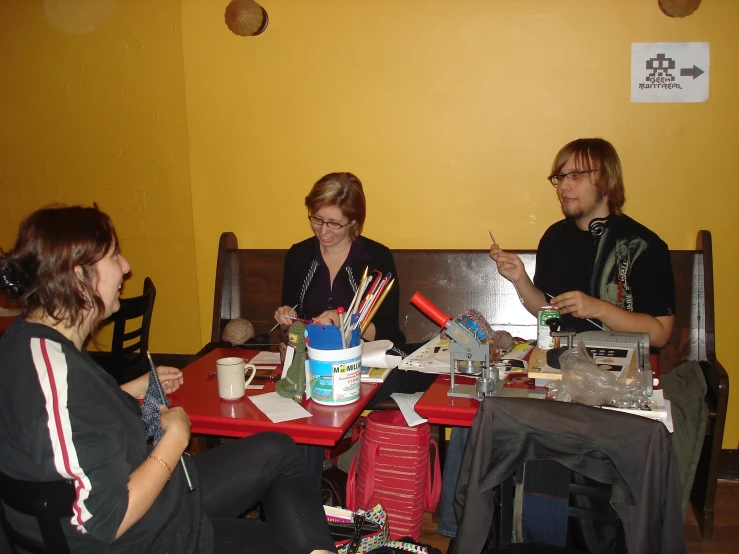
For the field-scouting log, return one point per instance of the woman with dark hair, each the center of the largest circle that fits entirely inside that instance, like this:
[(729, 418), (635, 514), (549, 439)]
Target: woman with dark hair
[(64, 417), (324, 271)]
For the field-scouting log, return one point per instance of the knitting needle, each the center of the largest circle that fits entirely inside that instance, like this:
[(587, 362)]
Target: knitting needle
[(363, 284), (340, 311), (515, 286), (372, 300), (164, 400), (298, 319), (295, 307), (549, 296), (377, 305)]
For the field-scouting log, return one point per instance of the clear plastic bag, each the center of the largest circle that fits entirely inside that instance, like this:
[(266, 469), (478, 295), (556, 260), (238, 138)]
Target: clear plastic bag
[(584, 382)]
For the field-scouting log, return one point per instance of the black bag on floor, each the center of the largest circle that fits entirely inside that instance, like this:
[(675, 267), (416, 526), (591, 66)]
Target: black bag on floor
[(333, 487)]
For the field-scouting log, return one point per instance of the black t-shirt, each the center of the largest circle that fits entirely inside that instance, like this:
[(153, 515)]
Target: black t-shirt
[(628, 265)]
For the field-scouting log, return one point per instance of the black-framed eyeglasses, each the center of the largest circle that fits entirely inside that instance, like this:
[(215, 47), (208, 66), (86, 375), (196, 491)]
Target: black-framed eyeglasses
[(318, 222), (572, 176)]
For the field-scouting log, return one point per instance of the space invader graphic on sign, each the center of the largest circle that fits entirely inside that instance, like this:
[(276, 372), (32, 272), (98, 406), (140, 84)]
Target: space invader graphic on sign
[(660, 66), (669, 71)]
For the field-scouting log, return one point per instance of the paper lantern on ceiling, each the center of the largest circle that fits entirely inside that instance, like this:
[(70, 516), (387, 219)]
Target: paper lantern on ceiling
[(246, 18), (678, 8)]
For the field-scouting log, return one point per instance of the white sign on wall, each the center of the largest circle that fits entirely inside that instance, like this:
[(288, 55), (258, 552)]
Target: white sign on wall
[(669, 71)]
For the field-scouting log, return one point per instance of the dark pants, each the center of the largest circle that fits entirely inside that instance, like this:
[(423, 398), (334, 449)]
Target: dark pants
[(266, 468)]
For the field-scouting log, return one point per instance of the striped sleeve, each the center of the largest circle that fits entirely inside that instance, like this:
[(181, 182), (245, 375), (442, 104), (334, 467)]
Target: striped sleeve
[(51, 367)]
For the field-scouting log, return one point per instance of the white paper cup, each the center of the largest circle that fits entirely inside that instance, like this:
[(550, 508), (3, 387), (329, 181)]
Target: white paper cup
[(232, 380)]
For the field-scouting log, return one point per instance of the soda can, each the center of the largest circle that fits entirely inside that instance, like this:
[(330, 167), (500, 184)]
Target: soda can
[(544, 339)]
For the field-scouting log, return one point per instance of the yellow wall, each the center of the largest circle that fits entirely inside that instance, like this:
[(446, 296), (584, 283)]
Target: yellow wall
[(92, 107), (450, 112)]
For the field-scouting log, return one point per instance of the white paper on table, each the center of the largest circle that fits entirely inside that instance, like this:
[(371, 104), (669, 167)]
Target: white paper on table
[(406, 403), (266, 358), (289, 354), (374, 354), (432, 357), (278, 408)]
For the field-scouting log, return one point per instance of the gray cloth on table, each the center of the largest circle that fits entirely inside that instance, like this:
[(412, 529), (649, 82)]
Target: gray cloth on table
[(685, 388)]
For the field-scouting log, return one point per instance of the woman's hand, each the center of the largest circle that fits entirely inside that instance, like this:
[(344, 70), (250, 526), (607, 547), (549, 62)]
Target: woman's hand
[(150, 477), (170, 377), (283, 311), (329, 317), (176, 421)]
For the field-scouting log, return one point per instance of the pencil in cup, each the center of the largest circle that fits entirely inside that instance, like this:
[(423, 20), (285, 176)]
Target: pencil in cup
[(372, 291), (163, 400), (370, 299), (377, 305)]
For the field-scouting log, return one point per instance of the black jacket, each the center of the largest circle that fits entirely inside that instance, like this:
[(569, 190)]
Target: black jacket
[(303, 267), (629, 452), (63, 416)]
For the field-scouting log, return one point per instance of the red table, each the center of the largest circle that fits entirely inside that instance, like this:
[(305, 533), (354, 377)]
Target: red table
[(212, 416), (441, 409)]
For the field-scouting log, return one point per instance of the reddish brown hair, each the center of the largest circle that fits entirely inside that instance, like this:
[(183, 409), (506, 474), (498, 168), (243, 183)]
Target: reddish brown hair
[(39, 272), (343, 190)]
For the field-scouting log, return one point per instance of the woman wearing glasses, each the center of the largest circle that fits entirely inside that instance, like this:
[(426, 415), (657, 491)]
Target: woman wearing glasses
[(324, 271)]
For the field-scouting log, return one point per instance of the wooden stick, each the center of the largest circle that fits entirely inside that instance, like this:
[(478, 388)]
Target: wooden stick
[(376, 307)]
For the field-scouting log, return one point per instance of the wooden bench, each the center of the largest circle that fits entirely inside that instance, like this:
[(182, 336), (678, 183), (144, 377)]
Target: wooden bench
[(249, 285)]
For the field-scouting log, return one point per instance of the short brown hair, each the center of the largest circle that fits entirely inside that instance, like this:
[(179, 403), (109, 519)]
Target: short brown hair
[(39, 272), (596, 153), (343, 190)]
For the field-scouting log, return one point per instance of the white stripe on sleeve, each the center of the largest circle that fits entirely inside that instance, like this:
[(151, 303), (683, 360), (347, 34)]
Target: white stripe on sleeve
[(52, 370)]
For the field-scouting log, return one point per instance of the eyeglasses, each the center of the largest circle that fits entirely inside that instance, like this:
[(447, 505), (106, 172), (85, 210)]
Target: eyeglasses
[(572, 176), (318, 222)]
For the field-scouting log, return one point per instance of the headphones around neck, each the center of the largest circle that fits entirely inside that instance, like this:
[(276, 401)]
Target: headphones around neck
[(598, 226)]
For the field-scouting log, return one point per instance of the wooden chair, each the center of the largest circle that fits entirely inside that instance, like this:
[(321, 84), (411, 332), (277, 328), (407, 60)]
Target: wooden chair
[(128, 352), (47, 501)]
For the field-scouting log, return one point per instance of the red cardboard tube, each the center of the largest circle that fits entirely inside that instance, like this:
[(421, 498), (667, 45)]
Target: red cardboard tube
[(429, 309)]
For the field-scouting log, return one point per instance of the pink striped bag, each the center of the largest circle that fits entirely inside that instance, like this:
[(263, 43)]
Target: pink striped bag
[(393, 467)]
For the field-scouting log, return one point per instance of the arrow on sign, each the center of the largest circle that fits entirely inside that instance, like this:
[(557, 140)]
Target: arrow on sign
[(693, 72)]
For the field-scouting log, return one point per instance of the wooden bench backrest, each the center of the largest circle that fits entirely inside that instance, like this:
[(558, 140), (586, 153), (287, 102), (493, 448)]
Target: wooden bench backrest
[(249, 285)]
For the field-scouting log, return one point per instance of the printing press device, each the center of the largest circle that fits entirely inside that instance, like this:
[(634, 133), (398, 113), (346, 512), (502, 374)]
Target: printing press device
[(469, 352)]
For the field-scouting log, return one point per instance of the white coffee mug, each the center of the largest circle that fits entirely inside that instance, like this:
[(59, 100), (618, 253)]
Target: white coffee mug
[(232, 380)]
